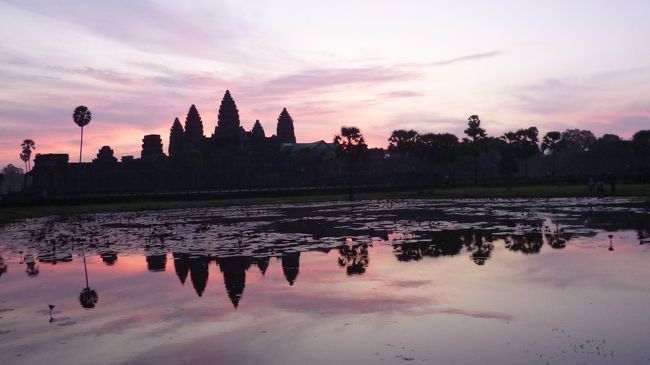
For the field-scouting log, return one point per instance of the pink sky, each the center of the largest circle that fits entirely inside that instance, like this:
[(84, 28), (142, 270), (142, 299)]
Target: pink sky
[(378, 65)]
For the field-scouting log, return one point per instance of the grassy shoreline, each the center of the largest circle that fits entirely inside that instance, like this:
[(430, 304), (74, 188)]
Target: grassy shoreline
[(541, 191)]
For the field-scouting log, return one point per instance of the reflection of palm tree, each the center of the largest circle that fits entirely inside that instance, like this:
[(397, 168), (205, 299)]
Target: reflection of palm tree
[(88, 297), (443, 243), (557, 240), (482, 250), (291, 266), (528, 243), (482, 254), (354, 259)]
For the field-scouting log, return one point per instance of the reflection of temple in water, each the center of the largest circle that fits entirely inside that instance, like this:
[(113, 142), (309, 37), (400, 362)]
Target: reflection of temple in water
[(262, 263), (196, 266), (156, 262), (291, 266), (234, 276), (109, 257), (53, 256)]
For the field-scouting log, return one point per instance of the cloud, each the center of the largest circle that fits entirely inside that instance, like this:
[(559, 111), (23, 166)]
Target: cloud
[(402, 94), (477, 314), (596, 93), (151, 26), (471, 57), (605, 102), (111, 76), (315, 79)]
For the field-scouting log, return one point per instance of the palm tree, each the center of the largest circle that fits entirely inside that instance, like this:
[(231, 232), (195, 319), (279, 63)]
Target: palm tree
[(27, 146), (81, 117), (352, 144), (552, 143), (476, 137)]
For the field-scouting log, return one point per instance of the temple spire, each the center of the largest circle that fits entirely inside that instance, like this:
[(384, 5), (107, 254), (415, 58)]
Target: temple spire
[(258, 131), (193, 125), (175, 139), (285, 131), (228, 125)]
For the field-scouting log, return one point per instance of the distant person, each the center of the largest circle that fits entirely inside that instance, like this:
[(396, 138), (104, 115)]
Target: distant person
[(591, 184)]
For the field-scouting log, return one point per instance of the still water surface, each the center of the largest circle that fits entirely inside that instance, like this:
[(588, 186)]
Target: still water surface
[(557, 281)]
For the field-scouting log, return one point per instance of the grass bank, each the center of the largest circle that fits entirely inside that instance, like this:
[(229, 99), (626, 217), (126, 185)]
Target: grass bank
[(541, 191), (538, 191)]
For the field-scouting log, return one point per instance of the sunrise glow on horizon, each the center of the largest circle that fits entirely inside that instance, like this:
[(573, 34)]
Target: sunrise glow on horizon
[(378, 65)]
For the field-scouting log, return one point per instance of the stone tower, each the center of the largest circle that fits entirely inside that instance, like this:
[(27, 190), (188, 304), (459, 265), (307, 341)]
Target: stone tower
[(285, 132), (228, 125), (152, 148), (176, 139), (257, 133), (105, 155), (193, 125)]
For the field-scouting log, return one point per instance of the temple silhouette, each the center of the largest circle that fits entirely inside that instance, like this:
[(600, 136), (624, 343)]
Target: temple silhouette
[(231, 157), (232, 160)]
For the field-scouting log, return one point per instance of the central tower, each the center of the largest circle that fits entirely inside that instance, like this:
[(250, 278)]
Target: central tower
[(228, 125)]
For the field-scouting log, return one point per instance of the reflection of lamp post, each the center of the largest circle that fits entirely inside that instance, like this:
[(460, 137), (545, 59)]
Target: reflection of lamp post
[(611, 246), (88, 297)]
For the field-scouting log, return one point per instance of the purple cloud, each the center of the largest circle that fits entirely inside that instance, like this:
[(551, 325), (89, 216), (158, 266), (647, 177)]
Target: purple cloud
[(310, 80), (471, 57), (402, 94)]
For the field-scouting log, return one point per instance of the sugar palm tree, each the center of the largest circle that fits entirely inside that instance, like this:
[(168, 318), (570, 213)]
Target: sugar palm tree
[(81, 117), (351, 145), (27, 147)]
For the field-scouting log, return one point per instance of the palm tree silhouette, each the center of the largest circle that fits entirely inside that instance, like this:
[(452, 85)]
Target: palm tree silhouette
[(351, 145), (81, 117), (27, 147)]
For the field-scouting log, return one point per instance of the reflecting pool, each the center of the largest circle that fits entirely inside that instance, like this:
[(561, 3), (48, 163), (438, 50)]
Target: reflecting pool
[(557, 281)]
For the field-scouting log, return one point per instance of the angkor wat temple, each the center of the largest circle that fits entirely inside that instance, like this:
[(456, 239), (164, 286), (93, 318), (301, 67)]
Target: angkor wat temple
[(230, 158)]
